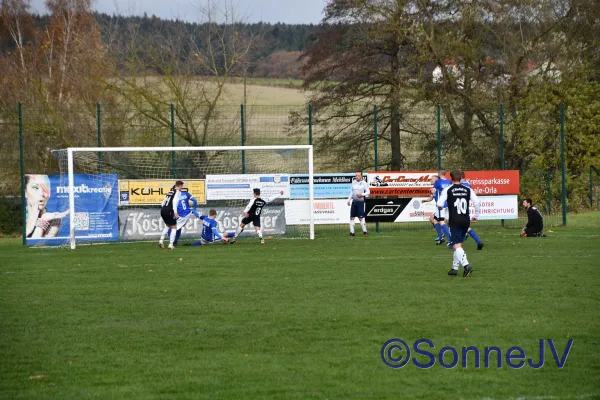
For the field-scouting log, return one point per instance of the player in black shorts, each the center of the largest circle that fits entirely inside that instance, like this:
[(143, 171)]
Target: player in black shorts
[(458, 198), (168, 212), (252, 214)]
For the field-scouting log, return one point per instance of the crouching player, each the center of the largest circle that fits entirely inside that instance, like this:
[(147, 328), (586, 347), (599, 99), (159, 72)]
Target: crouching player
[(210, 233)]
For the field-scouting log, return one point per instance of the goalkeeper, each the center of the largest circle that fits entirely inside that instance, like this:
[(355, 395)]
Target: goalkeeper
[(210, 233)]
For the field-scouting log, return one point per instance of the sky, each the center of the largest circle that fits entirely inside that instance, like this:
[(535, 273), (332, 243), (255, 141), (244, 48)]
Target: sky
[(285, 11)]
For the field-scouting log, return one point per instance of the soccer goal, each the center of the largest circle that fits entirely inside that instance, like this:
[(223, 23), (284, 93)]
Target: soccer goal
[(114, 194)]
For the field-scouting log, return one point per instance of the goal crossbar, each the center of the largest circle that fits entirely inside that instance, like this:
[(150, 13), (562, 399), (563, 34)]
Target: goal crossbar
[(71, 175)]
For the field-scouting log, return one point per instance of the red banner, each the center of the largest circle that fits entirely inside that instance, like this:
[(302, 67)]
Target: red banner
[(493, 182)]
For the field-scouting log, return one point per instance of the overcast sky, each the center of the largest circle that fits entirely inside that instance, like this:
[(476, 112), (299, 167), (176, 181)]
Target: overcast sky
[(286, 11)]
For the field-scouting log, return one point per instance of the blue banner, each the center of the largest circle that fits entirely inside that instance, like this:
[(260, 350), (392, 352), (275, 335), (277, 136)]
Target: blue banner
[(47, 202), (327, 186)]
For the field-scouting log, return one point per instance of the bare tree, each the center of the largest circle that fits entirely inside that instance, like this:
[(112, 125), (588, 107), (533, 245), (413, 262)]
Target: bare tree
[(187, 67)]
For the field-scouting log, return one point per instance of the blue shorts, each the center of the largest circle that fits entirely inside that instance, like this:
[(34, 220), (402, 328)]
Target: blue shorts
[(255, 219), (357, 209), (458, 235)]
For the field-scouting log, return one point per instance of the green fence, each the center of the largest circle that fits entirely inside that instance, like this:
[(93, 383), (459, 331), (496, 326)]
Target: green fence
[(345, 140)]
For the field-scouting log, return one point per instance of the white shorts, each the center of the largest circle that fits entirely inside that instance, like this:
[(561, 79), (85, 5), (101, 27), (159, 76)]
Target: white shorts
[(441, 213), (182, 220)]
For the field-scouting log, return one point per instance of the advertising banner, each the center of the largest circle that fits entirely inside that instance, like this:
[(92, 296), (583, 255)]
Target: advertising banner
[(239, 187), (326, 186), (413, 210), (399, 184), (325, 212), (47, 198), (135, 192), (493, 182), (146, 223)]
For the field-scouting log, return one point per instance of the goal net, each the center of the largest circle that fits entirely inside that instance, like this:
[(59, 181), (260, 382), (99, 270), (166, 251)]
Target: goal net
[(115, 194)]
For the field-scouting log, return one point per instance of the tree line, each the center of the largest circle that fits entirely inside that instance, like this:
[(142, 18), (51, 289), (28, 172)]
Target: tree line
[(406, 56)]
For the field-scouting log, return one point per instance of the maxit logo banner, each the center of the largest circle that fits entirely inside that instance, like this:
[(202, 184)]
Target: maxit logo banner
[(47, 213)]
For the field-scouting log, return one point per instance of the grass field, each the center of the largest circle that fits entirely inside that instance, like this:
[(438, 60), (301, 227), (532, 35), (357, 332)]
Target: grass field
[(297, 319)]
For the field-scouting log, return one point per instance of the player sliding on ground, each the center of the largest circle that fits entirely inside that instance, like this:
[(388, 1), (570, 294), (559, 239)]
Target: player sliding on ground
[(458, 198), (168, 212), (252, 214), (185, 213), (210, 233)]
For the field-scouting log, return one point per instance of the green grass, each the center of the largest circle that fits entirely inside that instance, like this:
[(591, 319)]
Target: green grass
[(297, 319)]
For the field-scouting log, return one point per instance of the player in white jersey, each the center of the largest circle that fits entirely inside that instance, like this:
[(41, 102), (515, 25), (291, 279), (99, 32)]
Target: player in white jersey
[(356, 201)]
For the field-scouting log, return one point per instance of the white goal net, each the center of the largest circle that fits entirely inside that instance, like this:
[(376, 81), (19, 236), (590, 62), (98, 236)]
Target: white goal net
[(114, 194)]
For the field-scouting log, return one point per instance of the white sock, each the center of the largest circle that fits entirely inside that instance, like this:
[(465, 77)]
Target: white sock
[(259, 233), (363, 225), (461, 256), (455, 262), (352, 226), (172, 236), (238, 231), (164, 233)]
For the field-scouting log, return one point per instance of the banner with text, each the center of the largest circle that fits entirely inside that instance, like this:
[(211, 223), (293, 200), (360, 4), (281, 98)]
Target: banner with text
[(493, 182), (146, 223), (325, 212), (47, 198), (136, 192), (326, 186), (239, 187), (400, 184), (414, 210)]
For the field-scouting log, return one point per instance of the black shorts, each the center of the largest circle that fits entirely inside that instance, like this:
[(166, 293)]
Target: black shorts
[(533, 232), (357, 209), (439, 219), (458, 234), (255, 219), (167, 216)]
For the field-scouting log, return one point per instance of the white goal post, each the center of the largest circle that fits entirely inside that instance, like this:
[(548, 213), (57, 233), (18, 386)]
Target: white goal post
[(73, 152)]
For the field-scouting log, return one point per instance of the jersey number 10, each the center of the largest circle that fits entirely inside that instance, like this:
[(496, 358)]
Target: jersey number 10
[(461, 206)]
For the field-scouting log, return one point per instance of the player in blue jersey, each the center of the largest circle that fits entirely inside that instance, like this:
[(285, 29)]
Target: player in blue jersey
[(440, 237), (438, 219), (210, 231), (185, 213), (470, 231)]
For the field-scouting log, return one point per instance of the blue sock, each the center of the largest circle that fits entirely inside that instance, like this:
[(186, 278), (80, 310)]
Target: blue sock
[(474, 236), (197, 244), (446, 232), (438, 229), (177, 235)]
